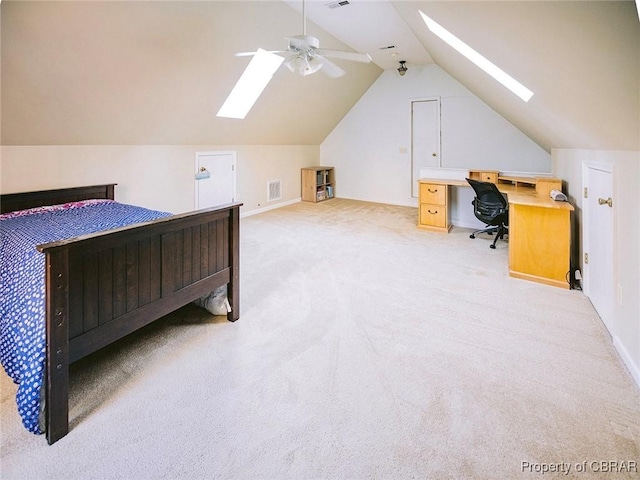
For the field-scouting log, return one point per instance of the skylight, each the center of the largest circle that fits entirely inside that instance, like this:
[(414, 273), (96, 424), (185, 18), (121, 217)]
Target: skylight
[(500, 75), (252, 82)]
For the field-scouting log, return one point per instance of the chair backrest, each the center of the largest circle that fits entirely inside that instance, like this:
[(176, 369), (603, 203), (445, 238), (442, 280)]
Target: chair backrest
[(489, 204)]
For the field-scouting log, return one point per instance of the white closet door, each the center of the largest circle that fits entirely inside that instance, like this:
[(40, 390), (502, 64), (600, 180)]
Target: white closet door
[(425, 138), (220, 187), (598, 210)]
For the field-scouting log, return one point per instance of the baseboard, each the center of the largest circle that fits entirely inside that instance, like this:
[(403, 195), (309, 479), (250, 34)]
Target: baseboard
[(270, 207), (633, 368), (411, 202), (467, 224)]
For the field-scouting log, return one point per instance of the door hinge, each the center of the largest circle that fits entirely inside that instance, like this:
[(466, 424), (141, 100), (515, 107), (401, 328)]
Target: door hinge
[(233, 168), (586, 258), (585, 193)]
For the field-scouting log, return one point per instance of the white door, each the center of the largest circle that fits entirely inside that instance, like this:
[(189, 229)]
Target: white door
[(598, 208), (425, 138), (216, 182)]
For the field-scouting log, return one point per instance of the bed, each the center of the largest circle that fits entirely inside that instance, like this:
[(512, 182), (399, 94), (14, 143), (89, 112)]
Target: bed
[(102, 286)]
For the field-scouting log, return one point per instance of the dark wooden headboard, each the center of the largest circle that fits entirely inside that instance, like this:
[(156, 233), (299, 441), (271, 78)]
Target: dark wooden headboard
[(12, 202)]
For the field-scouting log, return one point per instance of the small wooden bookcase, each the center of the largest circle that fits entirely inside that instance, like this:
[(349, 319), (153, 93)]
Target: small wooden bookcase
[(318, 184)]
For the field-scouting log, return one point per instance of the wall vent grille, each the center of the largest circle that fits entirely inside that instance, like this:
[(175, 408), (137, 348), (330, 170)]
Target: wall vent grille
[(342, 3), (274, 190)]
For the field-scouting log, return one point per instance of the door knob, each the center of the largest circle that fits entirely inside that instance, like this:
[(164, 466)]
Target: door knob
[(608, 201)]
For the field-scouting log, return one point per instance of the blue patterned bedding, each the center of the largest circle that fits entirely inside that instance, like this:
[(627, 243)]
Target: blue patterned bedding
[(22, 285)]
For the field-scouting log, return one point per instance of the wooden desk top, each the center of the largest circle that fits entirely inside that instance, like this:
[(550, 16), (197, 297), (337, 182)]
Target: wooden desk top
[(535, 200), (445, 181), (515, 195)]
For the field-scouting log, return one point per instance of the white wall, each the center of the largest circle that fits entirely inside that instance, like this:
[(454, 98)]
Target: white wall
[(371, 147), (154, 176), (567, 164)]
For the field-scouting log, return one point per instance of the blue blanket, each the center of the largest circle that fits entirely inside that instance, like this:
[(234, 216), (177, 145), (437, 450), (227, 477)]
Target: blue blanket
[(22, 285)]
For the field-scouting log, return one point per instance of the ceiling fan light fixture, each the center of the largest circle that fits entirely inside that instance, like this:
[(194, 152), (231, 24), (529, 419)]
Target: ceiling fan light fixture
[(314, 65), (295, 64), (303, 64)]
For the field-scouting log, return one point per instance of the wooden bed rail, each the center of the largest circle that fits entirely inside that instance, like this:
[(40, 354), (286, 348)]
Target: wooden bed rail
[(103, 286)]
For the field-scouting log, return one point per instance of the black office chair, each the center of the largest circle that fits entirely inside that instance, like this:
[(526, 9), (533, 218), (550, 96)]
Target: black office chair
[(491, 207)]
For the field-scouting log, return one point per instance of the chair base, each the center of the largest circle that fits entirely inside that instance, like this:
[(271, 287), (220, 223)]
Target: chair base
[(499, 230)]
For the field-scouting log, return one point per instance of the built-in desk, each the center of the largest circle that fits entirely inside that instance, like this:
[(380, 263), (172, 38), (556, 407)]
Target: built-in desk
[(539, 227)]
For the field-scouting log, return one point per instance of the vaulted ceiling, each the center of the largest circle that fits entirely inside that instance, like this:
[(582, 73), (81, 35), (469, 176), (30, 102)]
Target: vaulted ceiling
[(157, 72)]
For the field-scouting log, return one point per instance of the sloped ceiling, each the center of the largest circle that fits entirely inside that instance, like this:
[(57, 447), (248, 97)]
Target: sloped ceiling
[(581, 59), (156, 72)]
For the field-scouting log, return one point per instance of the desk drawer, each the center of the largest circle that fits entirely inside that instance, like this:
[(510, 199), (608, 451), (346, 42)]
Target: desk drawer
[(433, 194), (489, 176), (433, 215), (484, 175)]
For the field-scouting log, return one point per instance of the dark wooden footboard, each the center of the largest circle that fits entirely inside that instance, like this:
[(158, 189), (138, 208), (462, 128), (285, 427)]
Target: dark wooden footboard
[(103, 286)]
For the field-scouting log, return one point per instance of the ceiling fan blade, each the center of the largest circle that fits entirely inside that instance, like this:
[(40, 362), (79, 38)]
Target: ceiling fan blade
[(329, 68), (353, 56), (250, 54)]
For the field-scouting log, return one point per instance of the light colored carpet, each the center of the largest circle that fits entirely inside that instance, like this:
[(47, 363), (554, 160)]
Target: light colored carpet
[(366, 348)]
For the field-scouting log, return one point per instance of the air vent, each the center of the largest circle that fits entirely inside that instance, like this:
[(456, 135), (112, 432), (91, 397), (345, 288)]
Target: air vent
[(274, 190), (343, 3)]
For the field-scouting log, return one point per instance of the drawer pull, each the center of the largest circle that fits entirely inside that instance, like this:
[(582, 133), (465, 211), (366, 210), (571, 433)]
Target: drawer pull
[(432, 213), (432, 191)]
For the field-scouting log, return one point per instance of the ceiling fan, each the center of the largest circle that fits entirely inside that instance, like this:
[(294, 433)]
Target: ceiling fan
[(304, 55)]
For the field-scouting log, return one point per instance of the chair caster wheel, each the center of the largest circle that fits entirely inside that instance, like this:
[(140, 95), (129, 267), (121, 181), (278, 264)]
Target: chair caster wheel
[(492, 246), (472, 236)]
